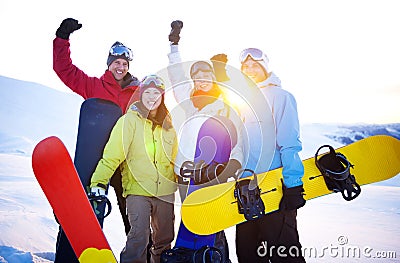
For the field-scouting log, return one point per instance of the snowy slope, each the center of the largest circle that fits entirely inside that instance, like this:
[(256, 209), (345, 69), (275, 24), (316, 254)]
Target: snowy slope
[(30, 112)]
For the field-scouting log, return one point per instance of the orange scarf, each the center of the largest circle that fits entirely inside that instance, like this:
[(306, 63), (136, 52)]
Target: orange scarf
[(201, 98)]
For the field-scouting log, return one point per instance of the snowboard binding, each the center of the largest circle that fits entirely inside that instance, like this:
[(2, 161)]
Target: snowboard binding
[(247, 193), (96, 201), (335, 169), (204, 254)]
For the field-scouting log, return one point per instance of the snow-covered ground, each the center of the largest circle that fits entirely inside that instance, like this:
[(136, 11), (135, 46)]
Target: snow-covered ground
[(331, 229)]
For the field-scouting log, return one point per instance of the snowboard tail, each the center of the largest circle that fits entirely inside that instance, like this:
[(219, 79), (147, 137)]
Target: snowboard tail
[(57, 176), (215, 208)]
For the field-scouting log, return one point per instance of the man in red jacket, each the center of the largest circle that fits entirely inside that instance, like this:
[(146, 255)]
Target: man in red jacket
[(116, 85)]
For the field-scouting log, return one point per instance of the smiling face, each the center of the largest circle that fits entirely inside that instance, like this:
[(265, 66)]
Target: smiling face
[(119, 68), (151, 99), (203, 80), (254, 70)]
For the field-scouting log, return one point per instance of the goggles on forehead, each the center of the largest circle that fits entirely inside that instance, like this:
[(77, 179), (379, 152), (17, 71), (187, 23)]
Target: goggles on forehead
[(121, 50), (152, 80), (254, 53), (200, 66)]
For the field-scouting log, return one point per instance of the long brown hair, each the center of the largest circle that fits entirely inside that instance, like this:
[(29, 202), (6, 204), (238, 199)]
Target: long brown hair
[(162, 116)]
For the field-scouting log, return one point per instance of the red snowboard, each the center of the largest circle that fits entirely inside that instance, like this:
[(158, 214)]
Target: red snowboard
[(57, 176)]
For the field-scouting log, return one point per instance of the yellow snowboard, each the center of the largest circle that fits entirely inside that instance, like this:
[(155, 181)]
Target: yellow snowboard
[(212, 209)]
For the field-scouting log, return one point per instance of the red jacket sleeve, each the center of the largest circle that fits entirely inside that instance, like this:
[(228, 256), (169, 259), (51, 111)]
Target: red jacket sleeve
[(71, 75)]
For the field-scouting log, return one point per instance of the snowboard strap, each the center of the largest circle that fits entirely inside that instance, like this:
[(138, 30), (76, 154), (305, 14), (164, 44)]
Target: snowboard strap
[(335, 168), (95, 200), (248, 198), (187, 255)]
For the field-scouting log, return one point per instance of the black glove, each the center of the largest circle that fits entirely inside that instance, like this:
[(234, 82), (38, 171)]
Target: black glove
[(208, 174), (292, 198), (176, 27), (219, 65), (67, 26)]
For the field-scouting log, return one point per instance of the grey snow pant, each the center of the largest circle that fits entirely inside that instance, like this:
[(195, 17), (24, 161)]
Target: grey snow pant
[(145, 212)]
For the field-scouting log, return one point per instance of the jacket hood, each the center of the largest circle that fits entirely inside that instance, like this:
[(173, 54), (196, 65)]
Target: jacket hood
[(130, 80), (164, 120), (272, 80), (140, 109)]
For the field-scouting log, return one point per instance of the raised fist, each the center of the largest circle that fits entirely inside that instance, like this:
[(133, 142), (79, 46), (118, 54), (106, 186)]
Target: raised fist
[(176, 27), (67, 26)]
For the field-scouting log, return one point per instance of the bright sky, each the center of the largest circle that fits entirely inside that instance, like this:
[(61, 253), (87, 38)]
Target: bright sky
[(340, 58)]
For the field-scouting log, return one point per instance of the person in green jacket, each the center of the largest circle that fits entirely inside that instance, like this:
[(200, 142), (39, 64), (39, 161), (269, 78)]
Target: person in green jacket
[(143, 143)]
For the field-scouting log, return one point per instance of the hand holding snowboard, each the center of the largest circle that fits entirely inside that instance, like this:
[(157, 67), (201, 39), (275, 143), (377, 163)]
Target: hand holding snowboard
[(292, 198)]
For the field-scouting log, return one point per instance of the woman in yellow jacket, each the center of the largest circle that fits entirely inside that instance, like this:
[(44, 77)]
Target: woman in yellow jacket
[(144, 143)]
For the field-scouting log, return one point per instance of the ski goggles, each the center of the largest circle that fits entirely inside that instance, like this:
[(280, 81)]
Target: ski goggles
[(254, 53), (200, 66), (121, 50), (152, 81)]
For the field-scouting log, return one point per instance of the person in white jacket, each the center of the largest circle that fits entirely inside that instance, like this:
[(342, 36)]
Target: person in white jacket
[(202, 101), (200, 97)]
